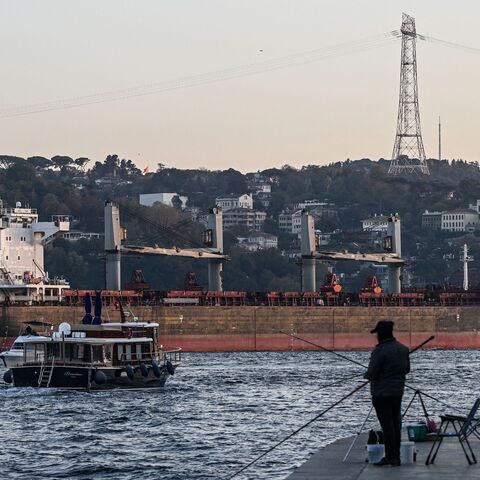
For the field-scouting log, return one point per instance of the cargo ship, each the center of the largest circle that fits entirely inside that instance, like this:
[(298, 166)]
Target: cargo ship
[(214, 320)]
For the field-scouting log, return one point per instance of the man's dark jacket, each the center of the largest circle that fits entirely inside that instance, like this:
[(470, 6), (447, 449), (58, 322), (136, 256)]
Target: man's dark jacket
[(389, 363)]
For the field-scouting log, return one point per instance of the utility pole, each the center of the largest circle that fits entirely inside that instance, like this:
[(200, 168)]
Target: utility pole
[(439, 139), (408, 155)]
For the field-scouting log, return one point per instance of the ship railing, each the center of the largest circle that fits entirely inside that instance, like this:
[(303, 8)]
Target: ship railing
[(136, 357), (174, 355)]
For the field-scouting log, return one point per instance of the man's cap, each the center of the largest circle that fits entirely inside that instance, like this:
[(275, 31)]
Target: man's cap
[(383, 326)]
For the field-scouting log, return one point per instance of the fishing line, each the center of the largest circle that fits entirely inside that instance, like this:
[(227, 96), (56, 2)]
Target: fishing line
[(323, 412), (364, 366)]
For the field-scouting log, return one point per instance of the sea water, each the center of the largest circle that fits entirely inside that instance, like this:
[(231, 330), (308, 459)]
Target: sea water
[(218, 413)]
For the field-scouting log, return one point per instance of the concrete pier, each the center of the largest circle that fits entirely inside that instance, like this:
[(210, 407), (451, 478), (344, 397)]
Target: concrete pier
[(327, 463)]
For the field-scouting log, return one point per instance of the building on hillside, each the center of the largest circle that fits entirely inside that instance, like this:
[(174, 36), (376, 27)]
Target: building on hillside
[(252, 219), (324, 212), (264, 198), (322, 239), (165, 198), (375, 223), (475, 206), (309, 204), (74, 235), (432, 220), (22, 269), (264, 240), (290, 222), (258, 241), (194, 212), (460, 220), (228, 202)]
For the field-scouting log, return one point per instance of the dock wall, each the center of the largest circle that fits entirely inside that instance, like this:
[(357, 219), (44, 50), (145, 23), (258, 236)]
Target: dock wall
[(214, 329)]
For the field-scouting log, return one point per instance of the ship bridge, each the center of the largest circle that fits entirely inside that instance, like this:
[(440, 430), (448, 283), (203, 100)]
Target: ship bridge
[(22, 241)]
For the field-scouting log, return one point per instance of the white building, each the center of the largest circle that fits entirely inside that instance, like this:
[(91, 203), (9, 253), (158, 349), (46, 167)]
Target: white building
[(166, 198), (475, 206), (229, 202), (308, 204), (22, 269), (258, 241), (432, 220), (253, 219), (377, 223), (290, 222), (460, 220), (264, 240), (74, 235)]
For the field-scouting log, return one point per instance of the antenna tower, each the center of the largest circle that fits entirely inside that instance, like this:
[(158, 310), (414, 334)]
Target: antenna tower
[(408, 153)]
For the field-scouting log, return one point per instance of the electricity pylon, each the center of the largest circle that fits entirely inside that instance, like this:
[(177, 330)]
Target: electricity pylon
[(408, 152)]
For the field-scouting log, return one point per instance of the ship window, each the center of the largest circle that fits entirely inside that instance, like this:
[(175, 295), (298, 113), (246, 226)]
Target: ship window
[(18, 257), (6, 257), (17, 346)]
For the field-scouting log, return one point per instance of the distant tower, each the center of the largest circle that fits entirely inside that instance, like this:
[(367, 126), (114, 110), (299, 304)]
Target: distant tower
[(439, 139), (465, 258), (408, 152)]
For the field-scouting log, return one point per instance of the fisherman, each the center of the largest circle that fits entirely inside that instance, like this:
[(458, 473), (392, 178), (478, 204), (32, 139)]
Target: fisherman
[(389, 363)]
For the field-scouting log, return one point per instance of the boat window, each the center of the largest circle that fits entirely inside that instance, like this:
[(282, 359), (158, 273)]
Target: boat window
[(107, 350), (97, 353), (120, 352), (53, 350), (17, 346), (74, 352), (34, 352)]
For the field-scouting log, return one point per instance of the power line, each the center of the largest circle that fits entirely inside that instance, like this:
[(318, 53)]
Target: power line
[(278, 63)]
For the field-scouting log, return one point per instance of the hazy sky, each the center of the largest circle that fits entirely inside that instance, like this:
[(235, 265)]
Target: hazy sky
[(340, 107)]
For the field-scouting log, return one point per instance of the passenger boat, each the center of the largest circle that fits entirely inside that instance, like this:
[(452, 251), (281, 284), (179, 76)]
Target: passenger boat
[(95, 357)]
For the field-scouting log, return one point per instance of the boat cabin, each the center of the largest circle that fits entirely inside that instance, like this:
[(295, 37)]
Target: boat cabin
[(108, 344)]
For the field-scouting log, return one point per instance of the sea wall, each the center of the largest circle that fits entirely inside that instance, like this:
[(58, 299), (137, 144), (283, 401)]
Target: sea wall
[(210, 329)]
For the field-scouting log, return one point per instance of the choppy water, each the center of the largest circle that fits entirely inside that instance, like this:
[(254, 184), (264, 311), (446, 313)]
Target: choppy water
[(217, 414)]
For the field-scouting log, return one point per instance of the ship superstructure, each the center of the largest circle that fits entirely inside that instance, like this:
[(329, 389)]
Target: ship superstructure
[(22, 241)]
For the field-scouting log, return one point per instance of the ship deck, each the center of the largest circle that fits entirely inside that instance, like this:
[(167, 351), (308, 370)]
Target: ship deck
[(327, 463)]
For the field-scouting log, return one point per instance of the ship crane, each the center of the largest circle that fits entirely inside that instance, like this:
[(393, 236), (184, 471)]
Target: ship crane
[(392, 256), (115, 234)]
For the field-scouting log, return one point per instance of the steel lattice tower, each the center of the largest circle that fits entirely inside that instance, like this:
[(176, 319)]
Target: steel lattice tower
[(408, 152)]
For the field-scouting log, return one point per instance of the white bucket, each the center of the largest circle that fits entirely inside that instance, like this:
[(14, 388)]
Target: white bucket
[(375, 453), (406, 452)]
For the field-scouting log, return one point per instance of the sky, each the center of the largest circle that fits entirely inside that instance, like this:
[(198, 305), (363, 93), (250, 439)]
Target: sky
[(339, 107)]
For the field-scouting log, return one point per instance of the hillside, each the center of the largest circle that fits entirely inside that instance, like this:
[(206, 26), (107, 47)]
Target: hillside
[(358, 189)]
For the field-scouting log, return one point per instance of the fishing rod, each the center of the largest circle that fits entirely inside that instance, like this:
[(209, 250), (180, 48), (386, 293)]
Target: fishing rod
[(323, 412), (323, 348), (351, 360)]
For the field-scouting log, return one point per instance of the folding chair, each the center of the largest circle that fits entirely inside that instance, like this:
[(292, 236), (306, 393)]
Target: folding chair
[(463, 427)]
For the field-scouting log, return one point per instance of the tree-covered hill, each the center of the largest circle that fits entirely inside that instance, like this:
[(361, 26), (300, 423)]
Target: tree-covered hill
[(79, 187)]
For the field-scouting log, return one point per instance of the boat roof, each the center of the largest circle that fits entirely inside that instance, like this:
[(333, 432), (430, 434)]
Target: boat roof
[(88, 340), (112, 326), (23, 338)]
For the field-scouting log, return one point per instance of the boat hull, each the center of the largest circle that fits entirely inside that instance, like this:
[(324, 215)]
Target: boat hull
[(83, 378)]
